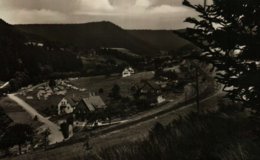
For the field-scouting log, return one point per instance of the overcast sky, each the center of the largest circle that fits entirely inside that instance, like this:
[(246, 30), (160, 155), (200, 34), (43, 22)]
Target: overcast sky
[(130, 14)]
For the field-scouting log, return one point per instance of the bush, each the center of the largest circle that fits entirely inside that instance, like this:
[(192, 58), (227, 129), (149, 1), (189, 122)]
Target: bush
[(203, 137)]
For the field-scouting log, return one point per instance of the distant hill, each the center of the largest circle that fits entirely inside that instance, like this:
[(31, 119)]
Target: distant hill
[(11, 43), (57, 52), (106, 34), (90, 35), (162, 39), (15, 56), (10, 36)]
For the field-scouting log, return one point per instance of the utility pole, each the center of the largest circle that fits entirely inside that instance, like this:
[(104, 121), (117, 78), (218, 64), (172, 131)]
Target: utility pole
[(197, 90)]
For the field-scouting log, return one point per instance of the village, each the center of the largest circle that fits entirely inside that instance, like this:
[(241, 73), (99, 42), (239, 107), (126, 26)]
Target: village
[(64, 108), (129, 80)]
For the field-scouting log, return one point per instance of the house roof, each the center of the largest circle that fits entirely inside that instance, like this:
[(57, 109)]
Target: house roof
[(94, 102), (72, 101), (126, 70), (151, 85), (88, 104)]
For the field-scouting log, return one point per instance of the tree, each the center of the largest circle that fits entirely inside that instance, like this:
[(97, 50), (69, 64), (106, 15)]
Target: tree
[(86, 143), (115, 91), (18, 134), (228, 34), (52, 83), (46, 140), (64, 128), (101, 91)]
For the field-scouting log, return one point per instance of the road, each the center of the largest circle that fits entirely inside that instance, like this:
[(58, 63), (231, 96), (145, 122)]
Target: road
[(4, 85), (55, 133)]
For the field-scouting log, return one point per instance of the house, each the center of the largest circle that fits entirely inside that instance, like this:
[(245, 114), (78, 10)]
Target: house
[(160, 99), (66, 106), (131, 70), (150, 90), (149, 87), (127, 72), (90, 104)]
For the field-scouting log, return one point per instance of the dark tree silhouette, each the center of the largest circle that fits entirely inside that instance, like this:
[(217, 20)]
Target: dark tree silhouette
[(64, 127), (18, 134), (52, 83), (101, 91), (228, 34), (115, 91), (46, 140)]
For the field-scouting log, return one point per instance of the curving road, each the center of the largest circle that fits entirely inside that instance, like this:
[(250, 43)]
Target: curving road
[(55, 133)]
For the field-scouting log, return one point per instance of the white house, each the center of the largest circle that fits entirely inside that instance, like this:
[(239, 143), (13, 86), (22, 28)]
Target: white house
[(131, 70), (160, 99), (127, 72), (65, 106)]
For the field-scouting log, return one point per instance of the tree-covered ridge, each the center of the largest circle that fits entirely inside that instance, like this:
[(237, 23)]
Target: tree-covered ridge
[(90, 35), (17, 56)]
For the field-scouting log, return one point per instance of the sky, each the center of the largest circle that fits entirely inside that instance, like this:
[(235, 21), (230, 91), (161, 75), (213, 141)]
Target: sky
[(129, 14)]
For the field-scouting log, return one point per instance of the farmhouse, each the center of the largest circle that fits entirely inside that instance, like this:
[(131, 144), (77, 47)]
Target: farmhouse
[(66, 106), (149, 87), (127, 72), (90, 104), (150, 90)]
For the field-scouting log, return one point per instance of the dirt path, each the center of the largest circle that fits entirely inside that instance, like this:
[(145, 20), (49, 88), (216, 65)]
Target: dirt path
[(55, 133), (4, 85)]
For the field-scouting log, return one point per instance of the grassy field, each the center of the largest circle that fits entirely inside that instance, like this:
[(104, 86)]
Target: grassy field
[(89, 84), (16, 113), (93, 84)]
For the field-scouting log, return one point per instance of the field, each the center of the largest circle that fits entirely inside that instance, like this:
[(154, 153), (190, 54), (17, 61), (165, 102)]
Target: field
[(81, 88), (93, 84), (16, 113)]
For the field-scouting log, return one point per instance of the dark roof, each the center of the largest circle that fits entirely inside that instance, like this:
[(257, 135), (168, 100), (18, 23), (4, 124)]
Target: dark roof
[(56, 99), (94, 102), (151, 85), (88, 105)]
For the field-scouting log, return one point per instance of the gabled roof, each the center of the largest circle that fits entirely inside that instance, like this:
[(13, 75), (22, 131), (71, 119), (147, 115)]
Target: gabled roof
[(70, 100), (94, 102), (88, 105), (151, 85), (126, 70)]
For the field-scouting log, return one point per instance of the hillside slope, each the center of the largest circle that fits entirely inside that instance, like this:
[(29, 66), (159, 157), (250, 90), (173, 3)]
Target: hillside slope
[(11, 43), (165, 40), (90, 35), (15, 56)]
